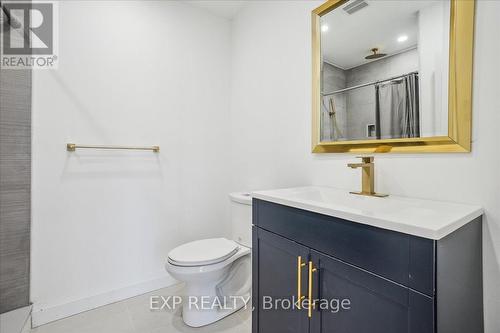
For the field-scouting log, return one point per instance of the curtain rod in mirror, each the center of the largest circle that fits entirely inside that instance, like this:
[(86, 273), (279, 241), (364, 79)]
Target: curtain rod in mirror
[(367, 84)]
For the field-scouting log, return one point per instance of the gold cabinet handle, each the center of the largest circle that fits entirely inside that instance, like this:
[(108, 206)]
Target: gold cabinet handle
[(310, 289), (300, 297)]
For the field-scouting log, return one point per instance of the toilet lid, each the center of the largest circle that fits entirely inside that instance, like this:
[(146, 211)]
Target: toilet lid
[(203, 252)]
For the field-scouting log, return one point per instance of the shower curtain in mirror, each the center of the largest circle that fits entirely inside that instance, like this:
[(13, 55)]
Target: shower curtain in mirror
[(397, 108)]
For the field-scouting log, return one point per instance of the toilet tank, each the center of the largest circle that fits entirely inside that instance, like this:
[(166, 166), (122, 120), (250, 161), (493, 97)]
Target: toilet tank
[(241, 218)]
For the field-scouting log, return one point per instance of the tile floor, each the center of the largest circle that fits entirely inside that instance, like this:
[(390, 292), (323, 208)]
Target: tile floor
[(134, 316)]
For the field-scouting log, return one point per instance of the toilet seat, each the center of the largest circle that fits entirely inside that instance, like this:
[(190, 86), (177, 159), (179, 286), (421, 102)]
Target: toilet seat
[(203, 252)]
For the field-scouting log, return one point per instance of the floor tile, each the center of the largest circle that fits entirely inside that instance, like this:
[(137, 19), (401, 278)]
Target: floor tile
[(135, 316), (112, 318), (143, 318), (233, 323)]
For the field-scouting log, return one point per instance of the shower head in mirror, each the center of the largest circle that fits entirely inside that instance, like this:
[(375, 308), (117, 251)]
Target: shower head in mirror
[(375, 54)]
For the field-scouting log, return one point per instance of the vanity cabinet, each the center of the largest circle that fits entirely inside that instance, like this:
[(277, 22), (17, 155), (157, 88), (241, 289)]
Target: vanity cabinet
[(276, 270), (362, 278), (376, 305)]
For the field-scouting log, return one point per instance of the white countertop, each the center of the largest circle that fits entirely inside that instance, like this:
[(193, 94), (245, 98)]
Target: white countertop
[(423, 218)]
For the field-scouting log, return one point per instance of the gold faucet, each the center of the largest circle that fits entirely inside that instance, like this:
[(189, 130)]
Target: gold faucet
[(367, 176)]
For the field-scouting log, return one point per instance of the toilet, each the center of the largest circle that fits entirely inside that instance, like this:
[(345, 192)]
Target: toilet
[(216, 271)]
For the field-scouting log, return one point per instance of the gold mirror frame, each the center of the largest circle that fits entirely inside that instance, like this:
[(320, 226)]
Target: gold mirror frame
[(459, 98)]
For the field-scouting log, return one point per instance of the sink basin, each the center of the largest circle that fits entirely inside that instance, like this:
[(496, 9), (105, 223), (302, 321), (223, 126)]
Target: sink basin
[(424, 218)]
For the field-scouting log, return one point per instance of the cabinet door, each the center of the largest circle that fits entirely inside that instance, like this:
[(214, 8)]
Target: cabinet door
[(372, 304), (275, 277)]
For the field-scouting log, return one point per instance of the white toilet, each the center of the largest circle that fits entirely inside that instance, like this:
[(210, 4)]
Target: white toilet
[(216, 271)]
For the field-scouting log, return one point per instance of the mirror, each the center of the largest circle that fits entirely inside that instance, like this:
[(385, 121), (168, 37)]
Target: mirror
[(381, 72)]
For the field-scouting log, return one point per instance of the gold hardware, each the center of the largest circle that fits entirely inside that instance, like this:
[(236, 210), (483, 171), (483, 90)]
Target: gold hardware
[(73, 147), (367, 176), (458, 138), (300, 297), (70, 147), (310, 290)]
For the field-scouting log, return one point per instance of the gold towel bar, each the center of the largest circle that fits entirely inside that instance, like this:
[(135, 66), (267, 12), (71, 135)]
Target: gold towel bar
[(74, 146)]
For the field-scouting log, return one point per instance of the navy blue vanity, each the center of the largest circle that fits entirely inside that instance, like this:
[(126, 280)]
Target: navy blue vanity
[(394, 282)]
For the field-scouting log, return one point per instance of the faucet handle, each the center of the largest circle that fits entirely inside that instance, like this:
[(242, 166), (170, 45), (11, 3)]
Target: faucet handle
[(367, 159), (366, 162)]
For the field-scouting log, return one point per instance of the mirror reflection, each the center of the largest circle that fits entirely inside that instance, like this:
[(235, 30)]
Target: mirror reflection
[(385, 70)]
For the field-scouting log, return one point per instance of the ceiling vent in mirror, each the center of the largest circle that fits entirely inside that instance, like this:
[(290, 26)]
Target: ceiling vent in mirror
[(354, 6)]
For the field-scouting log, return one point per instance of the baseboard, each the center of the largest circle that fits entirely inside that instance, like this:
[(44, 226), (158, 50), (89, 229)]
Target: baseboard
[(42, 316), (15, 321)]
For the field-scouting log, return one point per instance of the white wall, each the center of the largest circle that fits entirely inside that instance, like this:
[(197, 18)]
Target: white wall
[(130, 73), (269, 95), (433, 46), (270, 121)]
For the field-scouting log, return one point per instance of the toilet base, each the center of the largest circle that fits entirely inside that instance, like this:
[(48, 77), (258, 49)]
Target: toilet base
[(198, 317)]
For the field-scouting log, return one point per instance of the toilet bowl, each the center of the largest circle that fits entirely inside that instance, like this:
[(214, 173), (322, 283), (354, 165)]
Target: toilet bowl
[(217, 271)]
